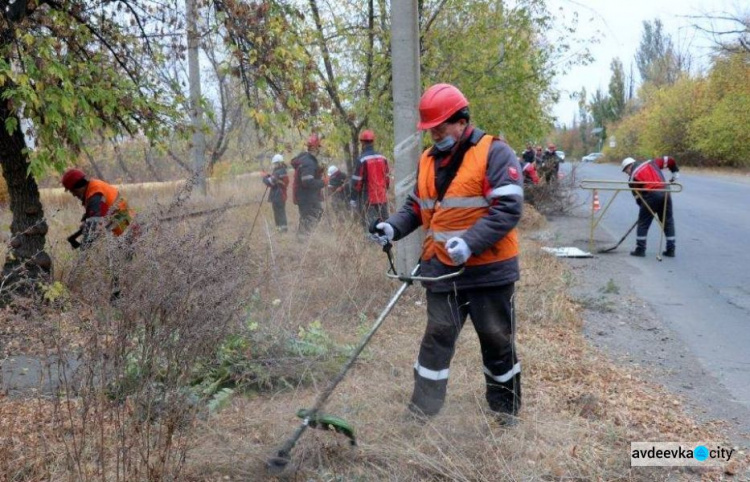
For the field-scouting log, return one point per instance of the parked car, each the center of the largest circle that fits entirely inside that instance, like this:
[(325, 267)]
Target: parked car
[(593, 157), (561, 155)]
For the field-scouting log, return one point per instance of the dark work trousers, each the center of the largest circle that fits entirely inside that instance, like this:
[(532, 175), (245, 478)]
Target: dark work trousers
[(551, 172), (339, 208), (656, 201), (279, 214), (373, 212), (309, 215), (491, 311)]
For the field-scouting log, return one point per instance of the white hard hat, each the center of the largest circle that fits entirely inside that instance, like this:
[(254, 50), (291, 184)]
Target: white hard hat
[(277, 158), (626, 162), (332, 169)]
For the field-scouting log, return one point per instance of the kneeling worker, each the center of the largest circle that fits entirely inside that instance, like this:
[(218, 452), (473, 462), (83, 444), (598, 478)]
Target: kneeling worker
[(104, 207)]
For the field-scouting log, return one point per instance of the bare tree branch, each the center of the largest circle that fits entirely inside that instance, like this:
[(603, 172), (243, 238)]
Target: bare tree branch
[(370, 46), (330, 78)]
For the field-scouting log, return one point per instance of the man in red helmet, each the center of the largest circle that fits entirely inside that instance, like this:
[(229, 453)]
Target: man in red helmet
[(308, 182), (104, 207), (370, 181), (468, 200)]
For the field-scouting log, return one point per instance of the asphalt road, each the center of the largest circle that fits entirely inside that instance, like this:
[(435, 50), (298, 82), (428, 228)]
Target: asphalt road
[(703, 293)]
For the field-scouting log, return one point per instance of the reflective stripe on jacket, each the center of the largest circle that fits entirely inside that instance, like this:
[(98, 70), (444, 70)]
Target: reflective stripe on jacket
[(117, 209), (465, 202)]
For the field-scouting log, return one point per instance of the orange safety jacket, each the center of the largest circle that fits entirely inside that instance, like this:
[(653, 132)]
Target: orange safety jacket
[(118, 213), (462, 206)]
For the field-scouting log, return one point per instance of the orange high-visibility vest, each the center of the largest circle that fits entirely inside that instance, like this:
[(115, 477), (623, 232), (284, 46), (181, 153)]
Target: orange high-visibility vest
[(118, 212), (462, 206)]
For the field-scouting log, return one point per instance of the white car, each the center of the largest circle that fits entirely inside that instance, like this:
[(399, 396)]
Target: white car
[(561, 155), (593, 157)]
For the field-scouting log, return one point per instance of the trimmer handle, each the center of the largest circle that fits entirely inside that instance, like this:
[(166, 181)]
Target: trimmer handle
[(73, 239)]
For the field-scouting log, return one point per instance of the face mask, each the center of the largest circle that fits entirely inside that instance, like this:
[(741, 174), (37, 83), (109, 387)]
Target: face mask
[(445, 144)]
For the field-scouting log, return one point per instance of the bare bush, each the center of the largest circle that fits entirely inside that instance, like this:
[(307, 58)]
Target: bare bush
[(160, 305), (207, 307), (555, 197)]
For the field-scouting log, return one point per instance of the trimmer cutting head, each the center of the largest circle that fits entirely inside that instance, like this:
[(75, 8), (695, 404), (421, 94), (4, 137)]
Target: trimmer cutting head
[(324, 421), (276, 465)]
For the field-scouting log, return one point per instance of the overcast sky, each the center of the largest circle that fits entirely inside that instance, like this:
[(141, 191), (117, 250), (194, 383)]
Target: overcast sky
[(619, 24)]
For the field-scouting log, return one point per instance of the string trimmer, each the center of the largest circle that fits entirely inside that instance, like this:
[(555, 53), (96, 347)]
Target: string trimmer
[(313, 417)]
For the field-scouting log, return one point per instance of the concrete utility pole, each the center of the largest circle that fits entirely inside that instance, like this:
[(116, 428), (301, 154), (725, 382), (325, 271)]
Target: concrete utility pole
[(198, 149), (406, 94)]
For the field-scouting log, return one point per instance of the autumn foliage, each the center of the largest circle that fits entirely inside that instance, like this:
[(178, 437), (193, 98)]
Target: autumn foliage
[(700, 120)]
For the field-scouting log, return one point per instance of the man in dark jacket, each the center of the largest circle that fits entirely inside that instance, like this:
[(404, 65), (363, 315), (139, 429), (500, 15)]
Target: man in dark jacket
[(338, 192), (277, 182), (468, 199), (528, 154), (370, 181), (550, 164), (308, 182)]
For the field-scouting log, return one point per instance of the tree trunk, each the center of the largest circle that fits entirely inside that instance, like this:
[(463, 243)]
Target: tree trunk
[(352, 150), (118, 156), (148, 153), (198, 148), (179, 161), (94, 165), (26, 259)]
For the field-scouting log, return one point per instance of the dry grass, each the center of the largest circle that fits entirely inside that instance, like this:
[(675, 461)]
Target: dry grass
[(580, 410), (3, 190)]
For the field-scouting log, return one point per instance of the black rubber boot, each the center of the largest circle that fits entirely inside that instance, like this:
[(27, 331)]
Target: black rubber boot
[(669, 253), (505, 400), (639, 251)]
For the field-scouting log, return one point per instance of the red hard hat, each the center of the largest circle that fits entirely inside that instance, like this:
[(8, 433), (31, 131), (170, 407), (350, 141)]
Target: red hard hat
[(367, 136), (71, 177), (438, 103), (313, 141)]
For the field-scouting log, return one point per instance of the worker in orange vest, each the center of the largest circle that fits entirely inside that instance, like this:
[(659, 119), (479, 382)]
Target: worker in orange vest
[(467, 199), (105, 207)]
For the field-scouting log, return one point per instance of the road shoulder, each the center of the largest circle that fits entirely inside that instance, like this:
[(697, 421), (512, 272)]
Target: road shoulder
[(626, 328)]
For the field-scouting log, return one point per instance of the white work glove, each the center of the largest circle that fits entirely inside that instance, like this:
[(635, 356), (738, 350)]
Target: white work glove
[(383, 234), (353, 204), (675, 177), (458, 250)]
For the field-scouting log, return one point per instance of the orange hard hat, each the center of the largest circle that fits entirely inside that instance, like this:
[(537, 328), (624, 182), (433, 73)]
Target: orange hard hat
[(71, 177), (438, 104), (367, 136)]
